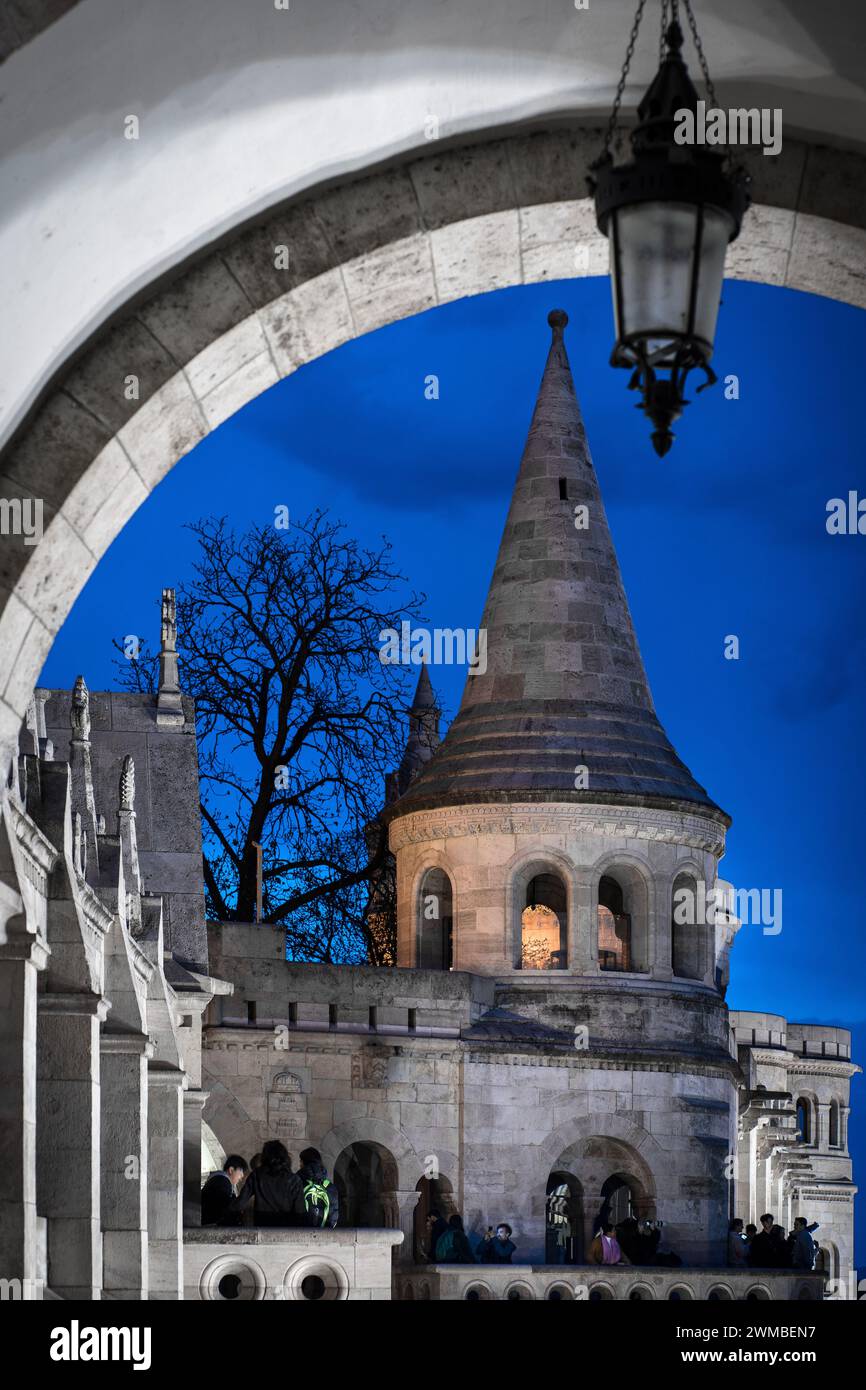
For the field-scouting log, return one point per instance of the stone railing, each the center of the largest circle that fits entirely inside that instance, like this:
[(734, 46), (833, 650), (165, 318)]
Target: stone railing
[(601, 1283), (226, 1265)]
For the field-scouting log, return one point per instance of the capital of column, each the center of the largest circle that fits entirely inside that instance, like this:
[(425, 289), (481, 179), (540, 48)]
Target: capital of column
[(126, 1044), (75, 1005), (163, 1076)]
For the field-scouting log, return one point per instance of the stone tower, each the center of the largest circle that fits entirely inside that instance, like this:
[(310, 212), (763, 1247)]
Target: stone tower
[(554, 824)]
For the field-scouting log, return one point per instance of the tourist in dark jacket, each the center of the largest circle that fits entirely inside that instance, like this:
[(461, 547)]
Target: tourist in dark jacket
[(218, 1205), (768, 1249), (436, 1227), (453, 1247), (801, 1245), (497, 1249), (317, 1202), (273, 1187)]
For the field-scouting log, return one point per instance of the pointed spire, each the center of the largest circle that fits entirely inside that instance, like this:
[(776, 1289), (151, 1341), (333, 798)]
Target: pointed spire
[(169, 707), (564, 685), (423, 739), (82, 796), (129, 842)]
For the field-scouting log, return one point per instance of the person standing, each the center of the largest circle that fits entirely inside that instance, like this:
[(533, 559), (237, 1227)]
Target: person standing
[(272, 1187), (218, 1206), (497, 1248), (802, 1245), (605, 1248), (318, 1201), (738, 1249), (768, 1249), (453, 1247), (436, 1227)]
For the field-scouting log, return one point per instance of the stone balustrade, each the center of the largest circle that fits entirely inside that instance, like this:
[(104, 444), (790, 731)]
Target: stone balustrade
[(603, 1283), (246, 1264)]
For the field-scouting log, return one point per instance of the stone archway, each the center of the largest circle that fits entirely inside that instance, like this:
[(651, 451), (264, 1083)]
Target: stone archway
[(366, 1177), (376, 248)]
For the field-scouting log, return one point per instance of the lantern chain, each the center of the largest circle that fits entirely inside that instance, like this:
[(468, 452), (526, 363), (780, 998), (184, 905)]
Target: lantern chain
[(708, 81), (611, 125)]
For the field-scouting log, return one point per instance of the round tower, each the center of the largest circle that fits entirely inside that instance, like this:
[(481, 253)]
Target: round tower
[(568, 851)]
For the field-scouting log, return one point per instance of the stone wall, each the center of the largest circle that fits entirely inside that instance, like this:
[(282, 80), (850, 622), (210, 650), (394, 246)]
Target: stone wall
[(168, 823)]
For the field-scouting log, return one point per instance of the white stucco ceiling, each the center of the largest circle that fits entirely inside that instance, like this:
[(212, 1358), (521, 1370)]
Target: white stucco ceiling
[(241, 104)]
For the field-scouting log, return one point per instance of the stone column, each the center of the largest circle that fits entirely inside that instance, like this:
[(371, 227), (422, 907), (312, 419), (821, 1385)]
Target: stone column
[(193, 1104), (583, 946), (660, 942), (165, 1181), (124, 1164), (407, 1201), (22, 956), (67, 1155)]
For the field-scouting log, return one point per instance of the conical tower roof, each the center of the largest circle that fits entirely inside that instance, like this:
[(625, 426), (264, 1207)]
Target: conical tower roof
[(564, 684)]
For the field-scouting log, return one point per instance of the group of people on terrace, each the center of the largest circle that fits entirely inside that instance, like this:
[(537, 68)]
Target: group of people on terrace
[(266, 1191), (769, 1248)]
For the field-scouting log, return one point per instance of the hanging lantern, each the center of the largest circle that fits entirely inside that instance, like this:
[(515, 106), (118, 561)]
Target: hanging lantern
[(669, 215)]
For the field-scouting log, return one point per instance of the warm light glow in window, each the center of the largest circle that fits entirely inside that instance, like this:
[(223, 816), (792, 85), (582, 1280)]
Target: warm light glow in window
[(540, 939)]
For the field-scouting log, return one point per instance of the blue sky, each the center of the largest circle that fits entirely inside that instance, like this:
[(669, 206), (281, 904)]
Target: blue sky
[(726, 535)]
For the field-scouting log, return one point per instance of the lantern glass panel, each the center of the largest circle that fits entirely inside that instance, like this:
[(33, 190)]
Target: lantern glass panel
[(717, 232), (655, 244)]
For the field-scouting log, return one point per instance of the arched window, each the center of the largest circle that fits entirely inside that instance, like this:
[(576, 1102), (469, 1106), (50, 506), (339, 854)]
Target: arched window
[(435, 922), (688, 934), (835, 1140), (563, 1219), (614, 927), (804, 1121), (543, 924)]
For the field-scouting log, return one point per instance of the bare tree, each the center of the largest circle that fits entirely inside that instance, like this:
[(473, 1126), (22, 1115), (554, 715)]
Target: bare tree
[(298, 722)]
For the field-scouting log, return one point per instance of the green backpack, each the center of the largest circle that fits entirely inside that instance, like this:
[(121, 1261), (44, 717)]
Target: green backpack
[(317, 1202)]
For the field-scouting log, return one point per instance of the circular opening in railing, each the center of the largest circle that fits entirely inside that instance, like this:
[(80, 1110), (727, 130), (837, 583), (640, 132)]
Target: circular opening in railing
[(719, 1295), (477, 1293), (640, 1294), (313, 1279), (232, 1279), (313, 1287), (600, 1294), (680, 1294), (757, 1295), (516, 1292), (557, 1292)]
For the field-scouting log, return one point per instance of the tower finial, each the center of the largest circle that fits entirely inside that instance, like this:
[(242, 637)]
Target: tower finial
[(79, 711), (127, 784), (169, 707), (557, 318)]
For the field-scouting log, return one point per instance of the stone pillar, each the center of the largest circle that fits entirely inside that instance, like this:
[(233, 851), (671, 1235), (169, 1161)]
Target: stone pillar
[(165, 1181), (583, 946), (67, 1155), (193, 1104), (124, 1164), (21, 957), (661, 942), (844, 1112), (821, 1137), (407, 1201)]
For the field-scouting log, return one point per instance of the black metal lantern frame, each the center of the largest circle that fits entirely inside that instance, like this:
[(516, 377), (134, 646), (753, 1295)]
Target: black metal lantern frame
[(669, 214)]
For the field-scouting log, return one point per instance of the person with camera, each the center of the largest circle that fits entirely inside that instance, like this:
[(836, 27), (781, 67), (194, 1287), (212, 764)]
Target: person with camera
[(497, 1247)]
